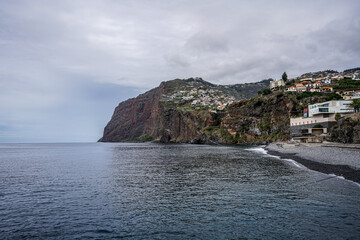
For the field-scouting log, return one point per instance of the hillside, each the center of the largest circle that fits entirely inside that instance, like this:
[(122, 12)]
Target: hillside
[(196, 111), (176, 111)]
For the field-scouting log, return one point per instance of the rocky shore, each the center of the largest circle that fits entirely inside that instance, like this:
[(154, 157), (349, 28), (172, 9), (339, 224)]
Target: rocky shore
[(330, 158)]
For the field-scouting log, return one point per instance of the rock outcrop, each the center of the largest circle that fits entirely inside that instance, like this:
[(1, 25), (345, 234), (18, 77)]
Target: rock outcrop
[(259, 119), (134, 117), (347, 129)]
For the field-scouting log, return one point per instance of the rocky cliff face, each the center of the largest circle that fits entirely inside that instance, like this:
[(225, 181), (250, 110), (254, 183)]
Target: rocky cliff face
[(347, 129), (134, 117), (161, 115), (149, 117), (259, 119)]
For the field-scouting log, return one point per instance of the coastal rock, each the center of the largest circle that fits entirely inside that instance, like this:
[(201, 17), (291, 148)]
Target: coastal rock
[(347, 129)]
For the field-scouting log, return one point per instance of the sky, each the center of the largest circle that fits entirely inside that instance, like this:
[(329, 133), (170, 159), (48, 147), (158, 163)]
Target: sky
[(65, 65)]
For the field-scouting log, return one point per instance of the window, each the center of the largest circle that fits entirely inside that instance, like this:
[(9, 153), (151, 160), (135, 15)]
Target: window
[(311, 121), (326, 115), (323, 109), (315, 121)]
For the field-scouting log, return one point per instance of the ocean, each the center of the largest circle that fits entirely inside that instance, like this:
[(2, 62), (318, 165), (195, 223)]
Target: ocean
[(172, 191)]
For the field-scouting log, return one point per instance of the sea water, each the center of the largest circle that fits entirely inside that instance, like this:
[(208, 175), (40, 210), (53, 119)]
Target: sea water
[(179, 191)]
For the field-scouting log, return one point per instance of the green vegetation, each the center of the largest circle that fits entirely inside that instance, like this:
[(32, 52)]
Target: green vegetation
[(211, 129), (284, 77), (337, 116), (201, 108), (236, 138), (347, 84), (278, 136), (265, 124), (351, 70), (290, 83), (333, 96), (328, 97), (266, 91), (144, 138), (356, 104), (226, 136)]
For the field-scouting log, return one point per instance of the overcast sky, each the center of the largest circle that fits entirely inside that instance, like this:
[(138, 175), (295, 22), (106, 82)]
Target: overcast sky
[(65, 65)]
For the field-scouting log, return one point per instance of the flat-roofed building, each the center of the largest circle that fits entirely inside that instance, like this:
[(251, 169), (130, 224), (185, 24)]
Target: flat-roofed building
[(331, 108), (320, 115)]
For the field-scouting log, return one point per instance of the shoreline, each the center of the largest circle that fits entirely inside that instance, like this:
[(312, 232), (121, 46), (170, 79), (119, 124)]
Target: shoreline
[(313, 157)]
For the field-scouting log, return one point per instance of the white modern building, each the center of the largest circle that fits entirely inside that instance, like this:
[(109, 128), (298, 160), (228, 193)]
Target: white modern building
[(330, 107), (320, 115)]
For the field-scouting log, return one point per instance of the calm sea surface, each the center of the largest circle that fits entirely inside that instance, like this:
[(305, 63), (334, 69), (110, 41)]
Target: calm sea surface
[(153, 191)]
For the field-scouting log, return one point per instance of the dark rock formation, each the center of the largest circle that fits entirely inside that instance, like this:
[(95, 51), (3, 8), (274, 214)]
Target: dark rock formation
[(134, 117), (347, 129), (259, 119)]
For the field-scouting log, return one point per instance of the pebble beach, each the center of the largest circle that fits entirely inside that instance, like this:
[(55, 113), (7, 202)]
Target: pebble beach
[(331, 158)]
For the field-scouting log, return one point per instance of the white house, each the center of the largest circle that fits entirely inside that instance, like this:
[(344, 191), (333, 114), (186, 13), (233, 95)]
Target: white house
[(276, 83), (326, 81), (291, 89)]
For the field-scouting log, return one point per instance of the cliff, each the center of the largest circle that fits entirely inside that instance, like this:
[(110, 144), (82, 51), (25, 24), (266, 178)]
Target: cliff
[(261, 118), (177, 111)]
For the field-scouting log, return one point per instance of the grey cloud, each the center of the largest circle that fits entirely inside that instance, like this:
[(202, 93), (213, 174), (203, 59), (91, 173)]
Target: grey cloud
[(340, 35), (209, 43)]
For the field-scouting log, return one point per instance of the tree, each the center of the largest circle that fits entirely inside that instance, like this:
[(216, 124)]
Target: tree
[(337, 116), (356, 104), (284, 77), (266, 91)]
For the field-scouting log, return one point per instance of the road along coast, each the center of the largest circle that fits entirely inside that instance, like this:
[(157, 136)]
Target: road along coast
[(330, 158)]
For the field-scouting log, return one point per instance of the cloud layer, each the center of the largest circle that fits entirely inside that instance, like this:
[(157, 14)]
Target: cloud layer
[(57, 56)]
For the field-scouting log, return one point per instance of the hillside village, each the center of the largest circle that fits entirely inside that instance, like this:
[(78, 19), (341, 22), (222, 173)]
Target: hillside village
[(322, 82), (309, 123), (318, 118), (196, 94), (201, 98)]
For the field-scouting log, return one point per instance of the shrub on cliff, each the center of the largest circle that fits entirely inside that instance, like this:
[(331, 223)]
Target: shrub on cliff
[(226, 136)]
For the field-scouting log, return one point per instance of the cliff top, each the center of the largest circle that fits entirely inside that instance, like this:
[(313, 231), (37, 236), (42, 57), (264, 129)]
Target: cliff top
[(196, 93)]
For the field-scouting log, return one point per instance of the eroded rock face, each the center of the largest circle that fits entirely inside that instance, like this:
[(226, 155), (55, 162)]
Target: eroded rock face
[(260, 119), (134, 117), (147, 115), (347, 129), (153, 117)]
